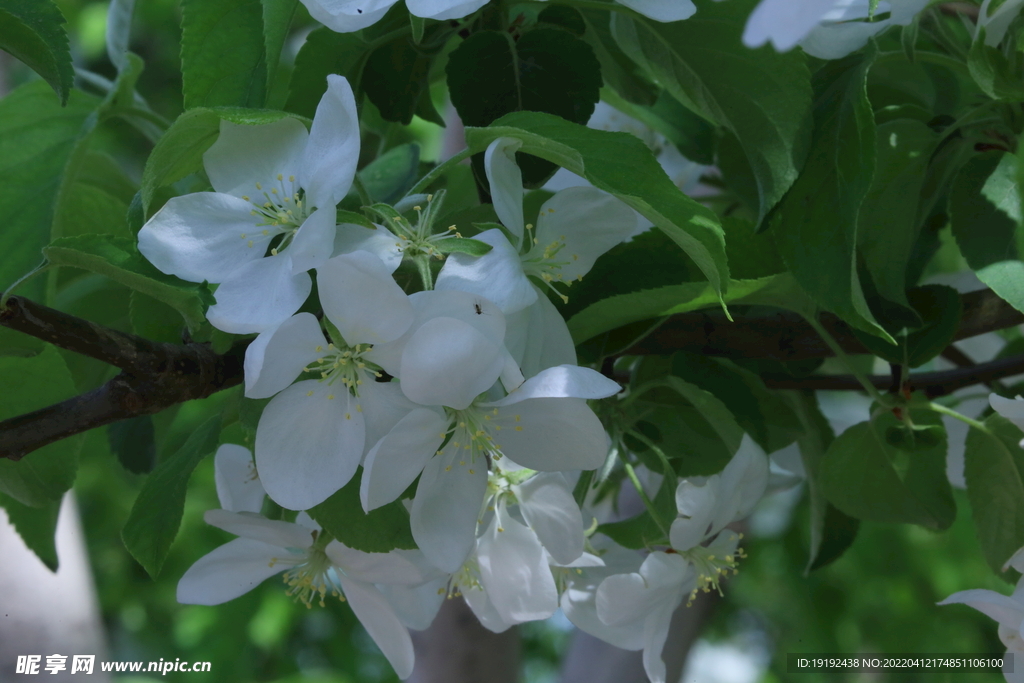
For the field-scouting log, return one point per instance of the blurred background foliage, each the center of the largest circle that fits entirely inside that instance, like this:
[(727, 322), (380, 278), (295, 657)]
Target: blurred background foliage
[(879, 597)]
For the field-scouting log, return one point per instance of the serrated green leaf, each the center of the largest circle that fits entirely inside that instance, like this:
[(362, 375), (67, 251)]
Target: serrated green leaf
[(389, 176), (33, 31), (43, 475), (277, 22), (382, 530), (994, 471), (867, 477), (156, 515), (180, 151), (37, 527), (223, 53), (119, 259), (762, 96), (133, 442), (619, 163), (324, 52), (642, 531), (940, 309), (992, 72), (986, 231), (815, 226), (617, 70), (395, 77)]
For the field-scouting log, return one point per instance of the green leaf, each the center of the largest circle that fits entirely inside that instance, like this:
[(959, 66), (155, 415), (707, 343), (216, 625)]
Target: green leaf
[(119, 28), (382, 530), (36, 139), (984, 212), (622, 309), (759, 411), (642, 531), (37, 527), (223, 53), (324, 52), (867, 477), (277, 21), (762, 96), (994, 470), (815, 226), (389, 176), (395, 78), (156, 515), (888, 225), (940, 309), (992, 72), (43, 475), (133, 442), (547, 70), (33, 31), (119, 259), (619, 72), (180, 151), (621, 164)]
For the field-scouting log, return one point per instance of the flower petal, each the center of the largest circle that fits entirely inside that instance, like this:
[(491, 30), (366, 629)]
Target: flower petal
[(276, 357), (258, 528), (381, 242), (662, 10), (625, 598), (203, 236), (484, 610), (388, 568), (445, 509), (449, 363), (560, 382), (744, 481), (1004, 609), (589, 221), (397, 459), (384, 405), (515, 573), (538, 338), (345, 16), (309, 442), (416, 606), (329, 160), (245, 155), (506, 181), (381, 622), (655, 634), (551, 434), (580, 607), (231, 570), (549, 508), (784, 22), (362, 299), (442, 10), (313, 242), (258, 296), (234, 474), (497, 275)]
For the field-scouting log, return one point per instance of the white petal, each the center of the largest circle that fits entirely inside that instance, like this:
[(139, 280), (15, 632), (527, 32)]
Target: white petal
[(662, 10), (259, 528), (589, 221), (258, 296), (397, 459), (309, 442), (560, 382), (549, 508), (538, 338), (381, 242), (313, 242), (515, 573), (449, 363), (276, 357), (698, 505), (387, 568), (384, 405), (1010, 408), (580, 607), (784, 22), (381, 622), (443, 10), (445, 509), (1016, 561), (655, 633), (329, 160), (484, 610), (998, 22), (744, 481), (497, 275), (202, 236), (551, 434), (362, 299), (244, 155), (1004, 609), (345, 16), (625, 598), (238, 487), (835, 41), (231, 570), (416, 606), (506, 181)]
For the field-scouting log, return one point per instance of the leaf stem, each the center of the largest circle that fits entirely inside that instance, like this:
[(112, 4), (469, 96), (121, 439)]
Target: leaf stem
[(364, 196), (939, 408), (643, 496), (41, 268), (438, 171)]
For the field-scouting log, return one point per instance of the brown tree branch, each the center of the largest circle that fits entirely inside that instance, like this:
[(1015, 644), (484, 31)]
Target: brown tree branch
[(154, 376)]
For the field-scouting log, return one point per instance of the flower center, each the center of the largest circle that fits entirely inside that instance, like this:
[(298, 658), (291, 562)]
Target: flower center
[(466, 578), (280, 212), (344, 365), (545, 264), (312, 578), (712, 568)]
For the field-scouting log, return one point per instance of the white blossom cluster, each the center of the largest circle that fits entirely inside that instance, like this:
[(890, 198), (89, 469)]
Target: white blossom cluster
[(468, 388)]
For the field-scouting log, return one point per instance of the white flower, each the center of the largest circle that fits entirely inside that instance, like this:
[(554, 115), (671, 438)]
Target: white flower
[(345, 16), (828, 29), (662, 10), (313, 567), (998, 22), (271, 217), (238, 486)]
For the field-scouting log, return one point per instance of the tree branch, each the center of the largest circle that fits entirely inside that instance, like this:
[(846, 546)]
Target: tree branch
[(154, 376)]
